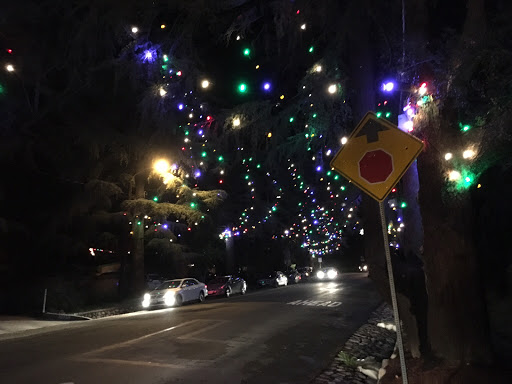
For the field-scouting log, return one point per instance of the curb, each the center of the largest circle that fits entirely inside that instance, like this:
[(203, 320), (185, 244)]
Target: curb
[(63, 317)]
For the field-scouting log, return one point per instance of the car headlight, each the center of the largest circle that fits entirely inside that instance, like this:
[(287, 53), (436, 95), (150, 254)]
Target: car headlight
[(320, 274), (331, 274), (169, 298), (147, 300), (365, 267)]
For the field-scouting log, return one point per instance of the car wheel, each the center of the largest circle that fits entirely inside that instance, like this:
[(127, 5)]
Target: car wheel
[(179, 301), (228, 292), (201, 296), (243, 290)]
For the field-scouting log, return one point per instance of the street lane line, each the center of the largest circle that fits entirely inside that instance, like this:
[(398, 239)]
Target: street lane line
[(128, 342)]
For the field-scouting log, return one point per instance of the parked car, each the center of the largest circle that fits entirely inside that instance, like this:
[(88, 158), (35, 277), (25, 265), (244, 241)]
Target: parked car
[(176, 292), (363, 268), (305, 273), (226, 286), (327, 274), (294, 277), (272, 279)]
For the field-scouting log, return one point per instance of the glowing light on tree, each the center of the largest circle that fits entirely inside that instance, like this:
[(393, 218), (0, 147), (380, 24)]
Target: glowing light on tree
[(454, 175), (469, 154), (388, 86), (135, 29), (205, 84), (332, 88), (9, 68), (344, 140), (448, 156)]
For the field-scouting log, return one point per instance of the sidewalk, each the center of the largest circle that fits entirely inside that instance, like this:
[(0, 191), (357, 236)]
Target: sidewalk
[(15, 324)]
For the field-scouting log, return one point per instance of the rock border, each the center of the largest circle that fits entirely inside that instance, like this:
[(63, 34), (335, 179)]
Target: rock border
[(360, 359)]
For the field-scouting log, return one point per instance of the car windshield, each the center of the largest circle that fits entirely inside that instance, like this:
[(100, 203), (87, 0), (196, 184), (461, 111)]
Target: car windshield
[(169, 284), (219, 280)]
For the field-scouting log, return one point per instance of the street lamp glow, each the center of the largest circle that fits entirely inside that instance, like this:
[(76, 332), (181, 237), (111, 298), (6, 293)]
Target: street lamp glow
[(9, 68), (162, 166), (332, 88), (205, 84)]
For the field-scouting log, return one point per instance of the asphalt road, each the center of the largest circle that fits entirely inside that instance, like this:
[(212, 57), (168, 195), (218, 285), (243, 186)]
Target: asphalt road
[(275, 335)]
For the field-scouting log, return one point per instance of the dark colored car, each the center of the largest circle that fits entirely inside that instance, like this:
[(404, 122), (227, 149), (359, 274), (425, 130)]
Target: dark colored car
[(272, 279), (294, 277), (306, 273), (226, 286)]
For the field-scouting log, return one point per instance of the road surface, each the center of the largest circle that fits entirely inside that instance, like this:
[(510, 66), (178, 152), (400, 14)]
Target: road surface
[(275, 335)]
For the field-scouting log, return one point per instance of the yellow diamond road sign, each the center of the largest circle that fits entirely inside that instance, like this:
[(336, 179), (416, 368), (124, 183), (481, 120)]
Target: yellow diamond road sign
[(376, 156)]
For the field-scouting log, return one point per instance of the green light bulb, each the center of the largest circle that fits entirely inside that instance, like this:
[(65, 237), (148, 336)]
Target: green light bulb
[(192, 205), (379, 114), (311, 49), (203, 154), (314, 115), (242, 88), (220, 158), (388, 114), (155, 198), (291, 119), (247, 52), (403, 205), (246, 177)]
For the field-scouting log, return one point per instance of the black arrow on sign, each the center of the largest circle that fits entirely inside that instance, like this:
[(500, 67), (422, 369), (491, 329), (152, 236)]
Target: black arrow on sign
[(371, 130)]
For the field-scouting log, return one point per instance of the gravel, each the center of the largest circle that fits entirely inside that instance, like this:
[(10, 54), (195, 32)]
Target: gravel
[(361, 357)]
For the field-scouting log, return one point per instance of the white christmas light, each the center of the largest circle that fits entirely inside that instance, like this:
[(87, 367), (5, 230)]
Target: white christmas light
[(448, 156), (454, 175), (135, 29), (409, 125), (468, 154), (236, 122), (162, 92), (303, 27), (205, 84), (344, 140), (318, 68), (9, 67), (332, 88)]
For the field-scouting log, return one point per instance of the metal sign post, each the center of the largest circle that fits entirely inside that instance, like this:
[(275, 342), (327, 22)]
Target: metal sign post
[(375, 158), (393, 293)]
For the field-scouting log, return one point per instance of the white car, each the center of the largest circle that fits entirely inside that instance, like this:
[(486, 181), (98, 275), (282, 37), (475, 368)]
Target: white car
[(176, 292)]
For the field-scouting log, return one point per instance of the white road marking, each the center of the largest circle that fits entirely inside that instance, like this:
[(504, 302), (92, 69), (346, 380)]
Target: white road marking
[(313, 303)]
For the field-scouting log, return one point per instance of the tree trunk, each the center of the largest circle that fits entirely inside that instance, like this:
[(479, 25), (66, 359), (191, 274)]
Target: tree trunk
[(457, 323), (363, 76), (138, 228)]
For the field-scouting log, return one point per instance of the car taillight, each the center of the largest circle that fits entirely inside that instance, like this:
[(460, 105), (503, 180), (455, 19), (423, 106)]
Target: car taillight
[(205, 286)]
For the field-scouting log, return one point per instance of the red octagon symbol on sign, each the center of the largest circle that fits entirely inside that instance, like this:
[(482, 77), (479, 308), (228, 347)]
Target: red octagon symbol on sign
[(376, 166)]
